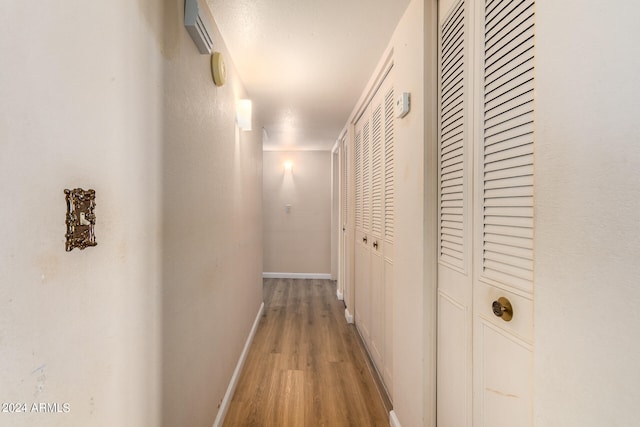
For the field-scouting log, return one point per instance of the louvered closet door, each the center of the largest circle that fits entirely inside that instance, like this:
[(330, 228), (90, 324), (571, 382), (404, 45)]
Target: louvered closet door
[(344, 218), (358, 175), (375, 187), (504, 214), (486, 146), (366, 176), (454, 349), (377, 244), (362, 256), (382, 227), (389, 228)]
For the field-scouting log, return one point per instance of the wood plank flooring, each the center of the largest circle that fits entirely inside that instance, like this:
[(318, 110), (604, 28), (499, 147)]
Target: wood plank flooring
[(306, 366)]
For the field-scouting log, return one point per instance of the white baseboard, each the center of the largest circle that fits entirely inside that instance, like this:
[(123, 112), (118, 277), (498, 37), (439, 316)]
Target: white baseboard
[(348, 316), (226, 401), (340, 295), (296, 276), (393, 419)]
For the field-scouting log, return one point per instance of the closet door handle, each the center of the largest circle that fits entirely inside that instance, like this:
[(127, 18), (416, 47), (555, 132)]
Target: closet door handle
[(503, 309), (364, 239), (375, 245)]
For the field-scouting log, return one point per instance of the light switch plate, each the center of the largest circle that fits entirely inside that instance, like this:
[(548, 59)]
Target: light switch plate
[(403, 104), (81, 218)]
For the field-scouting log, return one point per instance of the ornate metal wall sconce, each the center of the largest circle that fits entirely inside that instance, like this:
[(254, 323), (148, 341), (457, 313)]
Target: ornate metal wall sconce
[(80, 218)]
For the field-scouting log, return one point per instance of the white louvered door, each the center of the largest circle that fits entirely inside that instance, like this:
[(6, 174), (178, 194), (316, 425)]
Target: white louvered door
[(344, 220), (377, 245), (388, 231), (504, 213), (375, 196), (454, 352), (486, 213), (362, 255)]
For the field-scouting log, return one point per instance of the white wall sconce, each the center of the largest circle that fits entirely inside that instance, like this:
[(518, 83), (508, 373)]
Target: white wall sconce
[(243, 114), (288, 166)]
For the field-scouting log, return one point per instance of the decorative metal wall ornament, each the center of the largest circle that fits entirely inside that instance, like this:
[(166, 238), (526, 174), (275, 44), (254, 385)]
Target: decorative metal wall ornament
[(80, 218)]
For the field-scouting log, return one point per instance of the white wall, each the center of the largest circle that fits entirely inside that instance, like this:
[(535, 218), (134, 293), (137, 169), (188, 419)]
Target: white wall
[(79, 107), (298, 241), (212, 223), (587, 269), (146, 328), (409, 274)]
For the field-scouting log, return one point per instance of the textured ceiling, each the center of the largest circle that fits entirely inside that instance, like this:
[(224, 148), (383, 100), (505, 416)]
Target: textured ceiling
[(305, 62)]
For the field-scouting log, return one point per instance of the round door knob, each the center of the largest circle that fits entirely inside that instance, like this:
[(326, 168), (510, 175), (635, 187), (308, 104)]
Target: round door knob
[(503, 309)]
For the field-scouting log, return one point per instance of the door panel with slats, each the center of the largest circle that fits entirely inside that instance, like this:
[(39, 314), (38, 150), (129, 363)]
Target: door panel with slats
[(366, 176), (389, 228), (389, 167), (344, 272), (454, 355), (486, 143), (361, 309), (358, 176), (507, 144), (377, 262), (453, 139), (504, 212), (374, 140), (376, 171), (362, 256), (386, 101), (344, 181)]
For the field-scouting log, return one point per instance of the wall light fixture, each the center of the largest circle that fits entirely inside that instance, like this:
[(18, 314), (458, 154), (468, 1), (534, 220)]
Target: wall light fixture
[(243, 114), (288, 166)]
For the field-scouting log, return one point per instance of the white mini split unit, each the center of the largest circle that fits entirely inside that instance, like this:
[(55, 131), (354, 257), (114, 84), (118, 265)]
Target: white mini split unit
[(198, 26)]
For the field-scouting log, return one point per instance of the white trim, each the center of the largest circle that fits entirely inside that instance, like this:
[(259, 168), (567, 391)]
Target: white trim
[(296, 276), (226, 401), (393, 419), (343, 132), (335, 146), (382, 69), (348, 316), (340, 295)]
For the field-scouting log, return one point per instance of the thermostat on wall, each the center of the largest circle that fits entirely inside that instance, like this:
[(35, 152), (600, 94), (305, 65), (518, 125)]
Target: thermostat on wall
[(403, 104)]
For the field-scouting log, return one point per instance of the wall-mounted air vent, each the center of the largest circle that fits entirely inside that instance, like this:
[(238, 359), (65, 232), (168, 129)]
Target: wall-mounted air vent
[(198, 26)]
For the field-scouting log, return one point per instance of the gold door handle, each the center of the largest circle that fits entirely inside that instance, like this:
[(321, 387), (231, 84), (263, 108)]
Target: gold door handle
[(503, 309)]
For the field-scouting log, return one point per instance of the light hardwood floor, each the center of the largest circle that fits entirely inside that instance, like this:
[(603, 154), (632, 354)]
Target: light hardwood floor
[(306, 366)]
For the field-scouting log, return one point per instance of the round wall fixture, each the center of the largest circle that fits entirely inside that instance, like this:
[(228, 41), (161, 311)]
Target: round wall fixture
[(218, 69)]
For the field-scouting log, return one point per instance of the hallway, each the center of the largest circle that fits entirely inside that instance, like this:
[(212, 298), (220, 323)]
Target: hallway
[(509, 184), (306, 366)]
